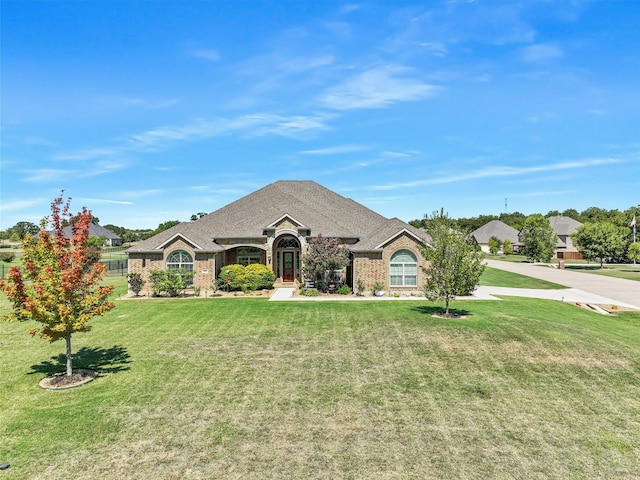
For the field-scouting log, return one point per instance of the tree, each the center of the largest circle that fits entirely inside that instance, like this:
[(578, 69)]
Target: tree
[(600, 240), (538, 239), (60, 285), (197, 216), (634, 252), (165, 226), (515, 219), (455, 265), (494, 245), (507, 247), (321, 260), (21, 229)]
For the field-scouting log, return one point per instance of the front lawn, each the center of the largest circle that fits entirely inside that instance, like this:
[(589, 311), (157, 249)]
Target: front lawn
[(501, 278), (246, 388), (628, 272)]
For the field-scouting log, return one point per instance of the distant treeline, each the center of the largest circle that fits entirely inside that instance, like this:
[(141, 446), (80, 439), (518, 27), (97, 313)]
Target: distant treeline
[(516, 219)]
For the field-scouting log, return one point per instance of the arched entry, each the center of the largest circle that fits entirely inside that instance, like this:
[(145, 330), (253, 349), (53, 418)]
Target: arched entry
[(287, 258)]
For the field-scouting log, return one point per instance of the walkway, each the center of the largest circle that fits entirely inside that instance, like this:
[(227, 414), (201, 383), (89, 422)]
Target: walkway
[(600, 288)]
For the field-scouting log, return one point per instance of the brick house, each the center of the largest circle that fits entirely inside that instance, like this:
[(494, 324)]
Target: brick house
[(273, 226)]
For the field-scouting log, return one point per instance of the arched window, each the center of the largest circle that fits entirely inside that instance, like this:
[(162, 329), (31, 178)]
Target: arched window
[(180, 260), (288, 242), (403, 269)]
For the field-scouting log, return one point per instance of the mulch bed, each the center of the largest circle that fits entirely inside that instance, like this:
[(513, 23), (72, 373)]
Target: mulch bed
[(62, 381)]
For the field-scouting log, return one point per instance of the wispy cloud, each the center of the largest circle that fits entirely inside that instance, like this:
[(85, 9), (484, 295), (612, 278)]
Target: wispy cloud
[(377, 87), (500, 171), (47, 175), (20, 204), (207, 54), (104, 201), (161, 138), (337, 150), (541, 53)]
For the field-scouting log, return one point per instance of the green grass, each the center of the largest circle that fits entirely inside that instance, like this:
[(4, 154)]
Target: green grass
[(508, 258), (500, 278), (628, 272), (245, 388)]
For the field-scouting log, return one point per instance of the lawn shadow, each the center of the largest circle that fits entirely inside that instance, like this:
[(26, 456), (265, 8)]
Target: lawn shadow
[(104, 360), (438, 310)]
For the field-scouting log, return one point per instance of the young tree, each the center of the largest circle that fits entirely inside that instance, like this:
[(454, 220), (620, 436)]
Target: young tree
[(494, 245), (455, 265), (507, 247), (323, 257), (600, 240), (538, 239), (60, 285)]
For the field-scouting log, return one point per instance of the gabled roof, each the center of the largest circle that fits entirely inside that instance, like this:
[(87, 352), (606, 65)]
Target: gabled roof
[(388, 231), (495, 228), (317, 208), (564, 225)]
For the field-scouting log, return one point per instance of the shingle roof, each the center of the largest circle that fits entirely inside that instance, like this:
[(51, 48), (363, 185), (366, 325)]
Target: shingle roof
[(319, 209), (564, 225), (495, 228), (94, 231)]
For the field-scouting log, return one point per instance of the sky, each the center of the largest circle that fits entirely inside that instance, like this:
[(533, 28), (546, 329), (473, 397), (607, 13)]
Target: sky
[(150, 111)]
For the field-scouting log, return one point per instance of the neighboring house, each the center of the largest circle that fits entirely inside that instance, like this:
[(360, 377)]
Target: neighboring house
[(563, 227), (273, 226), (495, 228), (110, 238)]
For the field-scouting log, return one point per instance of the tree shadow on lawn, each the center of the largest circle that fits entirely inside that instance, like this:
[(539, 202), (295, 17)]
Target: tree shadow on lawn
[(104, 360), (434, 311)]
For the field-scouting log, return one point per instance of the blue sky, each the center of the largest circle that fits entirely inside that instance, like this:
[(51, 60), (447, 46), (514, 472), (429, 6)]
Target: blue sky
[(155, 110)]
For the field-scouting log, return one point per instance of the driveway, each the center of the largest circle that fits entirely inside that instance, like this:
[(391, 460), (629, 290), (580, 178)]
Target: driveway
[(617, 290)]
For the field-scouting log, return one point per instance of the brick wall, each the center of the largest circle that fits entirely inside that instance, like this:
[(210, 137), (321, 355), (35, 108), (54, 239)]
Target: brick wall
[(373, 267)]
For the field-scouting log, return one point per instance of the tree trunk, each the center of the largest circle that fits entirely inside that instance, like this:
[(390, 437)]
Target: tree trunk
[(446, 307), (69, 361)]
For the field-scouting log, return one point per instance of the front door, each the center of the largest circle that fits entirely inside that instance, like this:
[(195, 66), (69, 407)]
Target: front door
[(288, 271)]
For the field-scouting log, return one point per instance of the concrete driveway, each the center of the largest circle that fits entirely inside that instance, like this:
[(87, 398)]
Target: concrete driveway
[(583, 287)]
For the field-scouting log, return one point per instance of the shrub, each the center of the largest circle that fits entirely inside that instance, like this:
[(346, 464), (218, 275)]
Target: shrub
[(259, 276), (233, 277), (7, 257), (360, 287), (135, 283), (344, 290), (378, 287), (310, 292), (170, 282)]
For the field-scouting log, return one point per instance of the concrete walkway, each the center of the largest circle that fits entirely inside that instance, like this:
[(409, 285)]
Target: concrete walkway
[(593, 288)]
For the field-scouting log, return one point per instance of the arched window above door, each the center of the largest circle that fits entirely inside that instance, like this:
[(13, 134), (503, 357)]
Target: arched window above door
[(288, 242)]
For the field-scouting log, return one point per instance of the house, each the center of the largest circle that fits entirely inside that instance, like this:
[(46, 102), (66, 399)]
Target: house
[(98, 231), (494, 228), (563, 227), (273, 226)]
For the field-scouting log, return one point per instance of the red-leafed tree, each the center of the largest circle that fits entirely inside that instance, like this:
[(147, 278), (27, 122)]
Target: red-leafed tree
[(60, 285)]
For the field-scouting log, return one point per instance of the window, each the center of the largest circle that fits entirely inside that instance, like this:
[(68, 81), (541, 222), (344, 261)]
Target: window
[(249, 255), (180, 260), (403, 269), (288, 242)]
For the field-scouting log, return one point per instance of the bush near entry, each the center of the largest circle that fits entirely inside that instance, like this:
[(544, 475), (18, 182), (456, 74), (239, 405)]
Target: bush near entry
[(252, 277)]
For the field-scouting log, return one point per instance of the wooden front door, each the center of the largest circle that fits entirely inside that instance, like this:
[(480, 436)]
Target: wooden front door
[(288, 270)]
